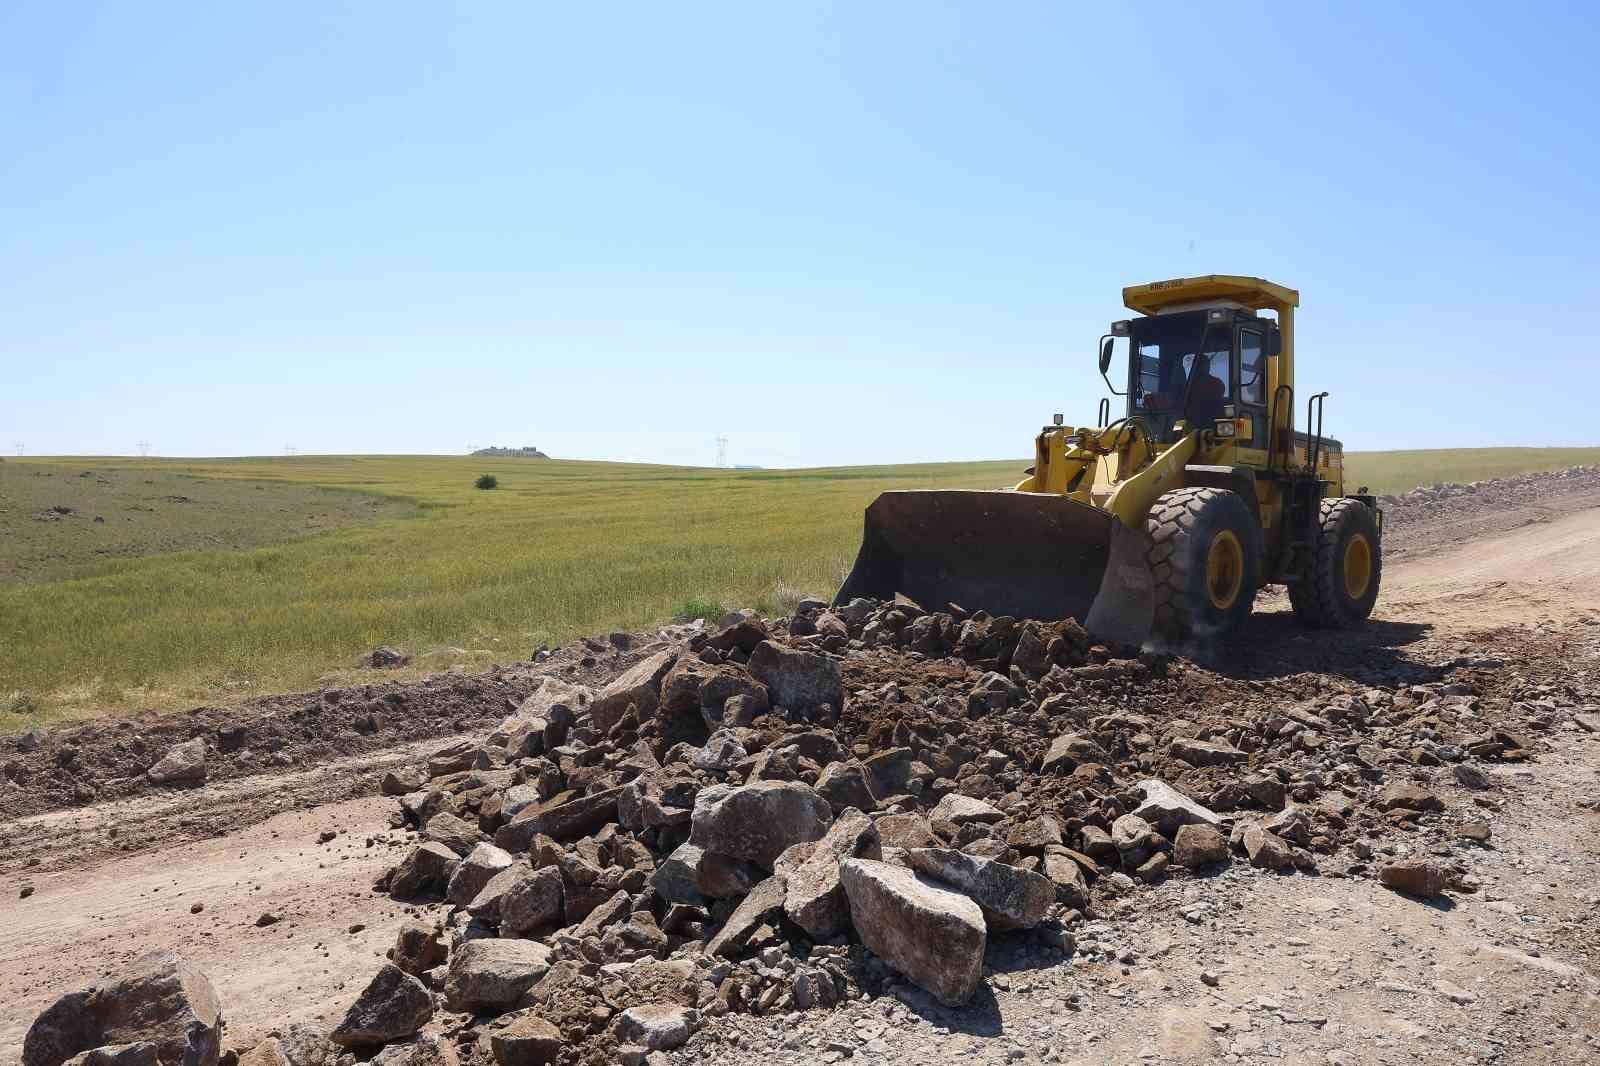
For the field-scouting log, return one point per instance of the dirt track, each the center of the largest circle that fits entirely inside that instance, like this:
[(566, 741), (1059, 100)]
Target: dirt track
[(1546, 572), (94, 906)]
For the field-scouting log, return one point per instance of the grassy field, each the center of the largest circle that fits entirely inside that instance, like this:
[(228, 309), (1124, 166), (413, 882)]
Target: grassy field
[(237, 592), (77, 521), (1393, 472)]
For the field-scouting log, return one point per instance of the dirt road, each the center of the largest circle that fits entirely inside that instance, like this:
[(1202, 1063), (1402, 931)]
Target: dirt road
[(1313, 970), (1548, 571)]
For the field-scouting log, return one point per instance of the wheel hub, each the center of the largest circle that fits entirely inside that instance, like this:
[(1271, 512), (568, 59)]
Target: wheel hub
[(1357, 566), (1224, 570)]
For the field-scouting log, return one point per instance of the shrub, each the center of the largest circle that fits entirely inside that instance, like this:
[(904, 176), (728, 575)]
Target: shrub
[(487, 481), (689, 610), (19, 709)]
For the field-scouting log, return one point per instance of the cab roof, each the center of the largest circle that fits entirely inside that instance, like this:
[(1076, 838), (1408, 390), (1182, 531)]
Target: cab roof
[(1255, 293)]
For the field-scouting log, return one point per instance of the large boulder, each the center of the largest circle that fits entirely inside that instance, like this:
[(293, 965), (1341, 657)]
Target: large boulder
[(1167, 809), (417, 947), (158, 999), (566, 816), (553, 692), (757, 822), (658, 798), (1066, 875), (528, 1041), (475, 871), (847, 784), (1197, 846), (1010, 897), (797, 680), (486, 904), (1265, 848), (1071, 750), (721, 752), (457, 834), (680, 686), (392, 1007), (744, 633), (930, 934), (1135, 840), (958, 810), (638, 687), (489, 976), (656, 1026), (906, 831), (184, 764), (814, 898), (693, 875), (532, 902), (426, 871), (733, 688)]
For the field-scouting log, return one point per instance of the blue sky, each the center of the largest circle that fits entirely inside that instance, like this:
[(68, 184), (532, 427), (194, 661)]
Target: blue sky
[(835, 233)]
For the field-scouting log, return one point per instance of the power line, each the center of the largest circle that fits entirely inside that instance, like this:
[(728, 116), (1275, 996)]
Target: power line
[(144, 448), (722, 450)]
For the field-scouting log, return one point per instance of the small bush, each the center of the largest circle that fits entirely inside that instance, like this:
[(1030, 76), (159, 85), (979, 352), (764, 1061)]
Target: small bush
[(689, 610), (487, 481), (19, 710)]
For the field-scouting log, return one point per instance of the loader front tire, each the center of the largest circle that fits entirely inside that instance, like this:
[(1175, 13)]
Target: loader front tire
[(1205, 554), (1341, 583)]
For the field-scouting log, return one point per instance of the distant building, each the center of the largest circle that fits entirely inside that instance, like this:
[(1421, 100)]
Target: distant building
[(525, 452)]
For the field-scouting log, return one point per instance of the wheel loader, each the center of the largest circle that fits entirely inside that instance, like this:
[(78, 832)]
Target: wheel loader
[(1158, 526)]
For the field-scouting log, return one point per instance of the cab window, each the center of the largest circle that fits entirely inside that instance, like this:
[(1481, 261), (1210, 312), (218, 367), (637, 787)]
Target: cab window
[(1252, 369)]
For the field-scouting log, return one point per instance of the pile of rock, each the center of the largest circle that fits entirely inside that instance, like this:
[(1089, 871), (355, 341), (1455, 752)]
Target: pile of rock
[(1553, 481), (783, 815), (777, 816)]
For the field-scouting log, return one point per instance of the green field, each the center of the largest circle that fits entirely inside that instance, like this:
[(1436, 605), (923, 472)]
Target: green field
[(276, 573)]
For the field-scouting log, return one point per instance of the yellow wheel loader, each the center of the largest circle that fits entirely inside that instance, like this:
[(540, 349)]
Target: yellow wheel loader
[(1166, 521)]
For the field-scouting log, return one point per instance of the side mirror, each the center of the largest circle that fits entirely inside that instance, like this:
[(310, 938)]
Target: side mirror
[(1274, 344), (1105, 354)]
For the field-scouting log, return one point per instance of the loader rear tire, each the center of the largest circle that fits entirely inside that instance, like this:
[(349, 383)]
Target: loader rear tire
[(1205, 554), (1341, 583)]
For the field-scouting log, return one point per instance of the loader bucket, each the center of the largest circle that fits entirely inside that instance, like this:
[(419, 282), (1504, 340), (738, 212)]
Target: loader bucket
[(1024, 554)]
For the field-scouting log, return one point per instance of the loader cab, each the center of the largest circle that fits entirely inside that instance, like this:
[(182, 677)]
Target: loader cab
[(1197, 367)]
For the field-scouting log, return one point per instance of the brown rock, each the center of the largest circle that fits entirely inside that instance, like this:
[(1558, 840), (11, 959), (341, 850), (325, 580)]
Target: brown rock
[(757, 822), (797, 680), (764, 903), (392, 1007), (158, 999), (930, 934), (1266, 849), (639, 687), (1407, 796), (1009, 897), (417, 948), (1415, 876), (1196, 846), (528, 1041), (814, 897)]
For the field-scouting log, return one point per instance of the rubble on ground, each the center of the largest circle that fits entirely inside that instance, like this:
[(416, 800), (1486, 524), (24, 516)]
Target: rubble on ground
[(781, 815), (795, 812)]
